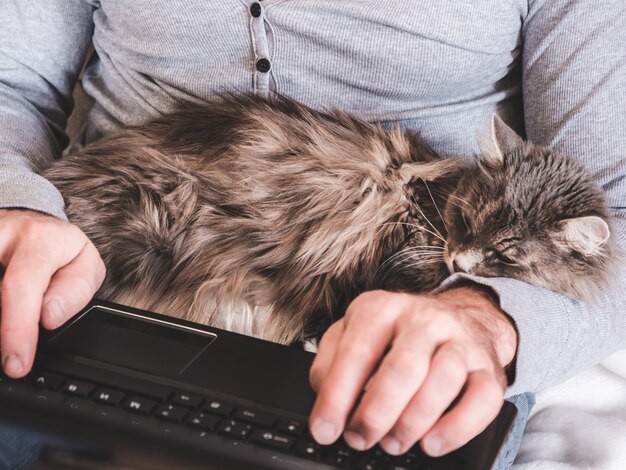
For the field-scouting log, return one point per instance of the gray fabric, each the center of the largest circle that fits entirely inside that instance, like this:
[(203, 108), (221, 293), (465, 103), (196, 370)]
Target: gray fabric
[(440, 67)]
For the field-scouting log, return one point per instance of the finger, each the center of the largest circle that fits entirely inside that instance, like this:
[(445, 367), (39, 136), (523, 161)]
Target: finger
[(28, 271), (325, 354), (72, 287), (445, 380), (477, 408), (399, 377), (25, 280), (363, 343)]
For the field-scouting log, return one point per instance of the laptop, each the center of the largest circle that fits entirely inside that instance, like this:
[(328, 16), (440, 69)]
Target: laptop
[(132, 389)]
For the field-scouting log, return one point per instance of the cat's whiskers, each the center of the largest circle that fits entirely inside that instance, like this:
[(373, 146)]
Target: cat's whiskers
[(421, 261), (451, 196), (438, 233), (411, 251), (435, 204), (408, 249)]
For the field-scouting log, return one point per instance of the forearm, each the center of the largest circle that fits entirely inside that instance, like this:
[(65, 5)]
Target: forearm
[(41, 51), (558, 336), (574, 86)]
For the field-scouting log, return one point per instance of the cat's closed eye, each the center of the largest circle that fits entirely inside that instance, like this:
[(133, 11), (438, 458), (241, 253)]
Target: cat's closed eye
[(494, 256)]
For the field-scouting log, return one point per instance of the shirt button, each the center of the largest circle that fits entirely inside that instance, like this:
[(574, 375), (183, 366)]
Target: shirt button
[(255, 9), (263, 65)]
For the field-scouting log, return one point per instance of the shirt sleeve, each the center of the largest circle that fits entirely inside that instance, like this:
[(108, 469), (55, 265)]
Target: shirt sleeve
[(42, 48), (574, 91)]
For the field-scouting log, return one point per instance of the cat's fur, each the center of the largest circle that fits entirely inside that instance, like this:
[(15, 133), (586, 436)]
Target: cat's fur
[(268, 218)]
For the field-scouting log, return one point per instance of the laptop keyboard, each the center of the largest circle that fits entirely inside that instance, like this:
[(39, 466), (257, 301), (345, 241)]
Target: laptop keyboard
[(190, 415)]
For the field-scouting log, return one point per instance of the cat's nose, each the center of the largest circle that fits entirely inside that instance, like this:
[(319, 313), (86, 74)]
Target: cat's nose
[(466, 261)]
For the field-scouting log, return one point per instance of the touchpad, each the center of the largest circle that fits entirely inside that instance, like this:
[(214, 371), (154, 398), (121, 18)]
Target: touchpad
[(132, 341)]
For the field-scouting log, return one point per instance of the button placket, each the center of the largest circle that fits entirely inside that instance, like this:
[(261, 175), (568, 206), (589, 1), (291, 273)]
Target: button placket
[(260, 42)]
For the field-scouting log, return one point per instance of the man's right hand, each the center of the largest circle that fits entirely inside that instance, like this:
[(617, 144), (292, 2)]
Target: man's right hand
[(51, 271)]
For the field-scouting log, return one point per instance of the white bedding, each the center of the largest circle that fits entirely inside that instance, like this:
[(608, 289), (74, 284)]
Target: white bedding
[(580, 424)]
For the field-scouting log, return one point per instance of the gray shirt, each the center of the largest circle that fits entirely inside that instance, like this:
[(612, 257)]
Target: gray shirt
[(555, 69)]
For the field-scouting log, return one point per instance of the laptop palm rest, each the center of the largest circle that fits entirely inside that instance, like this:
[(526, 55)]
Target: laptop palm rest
[(209, 361)]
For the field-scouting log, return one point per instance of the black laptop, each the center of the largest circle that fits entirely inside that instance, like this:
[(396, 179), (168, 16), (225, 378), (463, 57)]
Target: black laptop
[(137, 390)]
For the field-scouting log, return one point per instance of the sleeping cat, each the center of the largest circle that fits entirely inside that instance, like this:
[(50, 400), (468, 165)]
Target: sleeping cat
[(269, 218)]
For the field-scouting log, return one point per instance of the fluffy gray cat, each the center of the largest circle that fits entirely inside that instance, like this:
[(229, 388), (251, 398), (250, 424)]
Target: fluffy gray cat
[(269, 218)]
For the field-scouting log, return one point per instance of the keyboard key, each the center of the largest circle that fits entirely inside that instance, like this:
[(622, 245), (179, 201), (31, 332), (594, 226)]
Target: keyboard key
[(16, 386), (339, 454), (204, 421), (46, 380), (218, 407), (151, 390), (368, 463), (291, 426), (252, 416), (108, 396), (409, 461), (172, 413), (235, 429), (188, 400), (141, 421), (49, 395), (139, 405), (80, 405), (77, 388), (375, 459), (110, 413), (173, 429), (272, 439), (122, 382), (308, 448)]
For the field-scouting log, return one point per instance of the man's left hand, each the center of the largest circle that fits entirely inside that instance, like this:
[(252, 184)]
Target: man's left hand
[(412, 356)]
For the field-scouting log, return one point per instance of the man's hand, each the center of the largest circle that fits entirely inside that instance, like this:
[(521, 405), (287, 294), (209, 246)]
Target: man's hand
[(413, 355), (51, 271)]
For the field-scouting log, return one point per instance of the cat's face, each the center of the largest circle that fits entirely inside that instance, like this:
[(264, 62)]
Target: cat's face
[(529, 214)]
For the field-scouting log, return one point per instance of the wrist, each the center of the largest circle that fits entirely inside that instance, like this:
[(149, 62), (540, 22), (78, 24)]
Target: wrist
[(482, 304)]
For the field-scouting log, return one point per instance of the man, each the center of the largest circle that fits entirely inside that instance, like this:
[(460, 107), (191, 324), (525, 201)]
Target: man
[(439, 67)]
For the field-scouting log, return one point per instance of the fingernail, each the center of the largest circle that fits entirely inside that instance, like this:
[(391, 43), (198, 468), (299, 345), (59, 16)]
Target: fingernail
[(56, 311), (12, 365), (324, 432), (391, 445), (433, 446), (354, 440)]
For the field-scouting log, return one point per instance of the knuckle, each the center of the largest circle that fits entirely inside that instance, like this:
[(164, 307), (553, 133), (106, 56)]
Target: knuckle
[(354, 349), (333, 330), (12, 281), (492, 392), (75, 234), (358, 306), (326, 405), (315, 376), (84, 287), (101, 269), (404, 363), (369, 422), (29, 228), (452, 371), (384, 302), (408, 432), (435, 327)]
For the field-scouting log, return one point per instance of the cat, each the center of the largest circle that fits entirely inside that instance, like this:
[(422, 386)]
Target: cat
[(268, 218)]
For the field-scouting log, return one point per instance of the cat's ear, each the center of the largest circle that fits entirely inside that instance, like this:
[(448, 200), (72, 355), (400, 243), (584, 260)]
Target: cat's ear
[(586, 234), (501, 141)]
